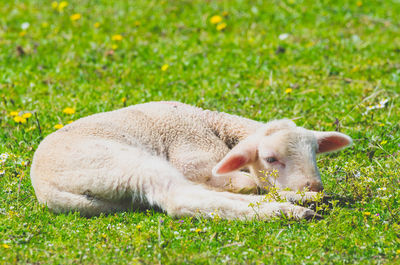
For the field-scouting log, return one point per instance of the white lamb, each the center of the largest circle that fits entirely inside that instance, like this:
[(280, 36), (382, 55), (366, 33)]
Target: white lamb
[(183, 159)]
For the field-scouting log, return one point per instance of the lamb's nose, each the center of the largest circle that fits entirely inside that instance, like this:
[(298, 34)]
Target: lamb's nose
[(314, 186)]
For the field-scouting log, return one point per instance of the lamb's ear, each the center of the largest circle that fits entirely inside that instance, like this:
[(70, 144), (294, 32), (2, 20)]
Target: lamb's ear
[(242, 154), (331, 141)]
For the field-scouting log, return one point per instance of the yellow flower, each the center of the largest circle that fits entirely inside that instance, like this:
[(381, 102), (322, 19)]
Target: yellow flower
[(69, 110), (288, 90), (12, 213), (27, 115), (383, 142), (137, 23), (225, 14), (197, 230), (54, 5), (215, 19), (117, 37), (97, 24), (398, 252), (114, 46), (355, 69), (19, 119), (75, 17), (359, 3), (58, 126), (69, 122), (221, 26), (14, 113), (22, 33), (5, 246), (381, 125), (164, 67), (123, 100), (138, 226), (367, 213), (62, 5), (45, 25), (310, 44)]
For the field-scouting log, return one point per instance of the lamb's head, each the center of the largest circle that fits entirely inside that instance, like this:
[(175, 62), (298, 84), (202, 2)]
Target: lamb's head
[(283, 155)]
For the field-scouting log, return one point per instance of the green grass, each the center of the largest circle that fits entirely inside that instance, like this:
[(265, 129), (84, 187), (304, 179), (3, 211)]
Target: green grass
[(339, 58)]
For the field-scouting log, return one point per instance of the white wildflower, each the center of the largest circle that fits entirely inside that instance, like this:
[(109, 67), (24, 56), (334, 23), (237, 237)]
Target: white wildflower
[(283, 36), (380, 105), (25, 25), (3, 157)]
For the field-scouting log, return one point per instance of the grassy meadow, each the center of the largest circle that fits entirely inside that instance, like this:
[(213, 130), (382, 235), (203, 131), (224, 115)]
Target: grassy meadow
[(328, 65)]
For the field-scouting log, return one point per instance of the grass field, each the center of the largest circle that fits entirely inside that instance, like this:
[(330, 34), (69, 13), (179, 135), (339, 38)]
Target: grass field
[(328, 65)]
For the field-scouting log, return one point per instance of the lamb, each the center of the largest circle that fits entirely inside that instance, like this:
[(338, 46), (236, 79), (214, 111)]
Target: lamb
[(183, 159)]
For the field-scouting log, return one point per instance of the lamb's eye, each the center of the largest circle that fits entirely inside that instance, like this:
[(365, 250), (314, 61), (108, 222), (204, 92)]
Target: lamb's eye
[(271, 159)]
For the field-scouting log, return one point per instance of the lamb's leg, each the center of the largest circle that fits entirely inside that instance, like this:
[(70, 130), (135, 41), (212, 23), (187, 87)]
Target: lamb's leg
[(194, 200), (302, 197), (63, 202), (237, 182)]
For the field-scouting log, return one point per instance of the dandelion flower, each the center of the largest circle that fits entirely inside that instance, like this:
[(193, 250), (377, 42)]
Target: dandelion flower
[(58, 126), (383, 142), (5, 246), (45, 25), (198, 230), (22, 33), (97, 24), (62, 5), (367, 213), (69, 111), (359, 3), (27, 115), (225, 14), (215, 19), (123, 100), (381, 125), (398, 252), (164, 67), (117, 37), (19, 119), (114, 46), (221, 26), (14, 113), (138, 226), (310, 44), (75, 17), (69, 122), (54, 5), (288, 90)]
